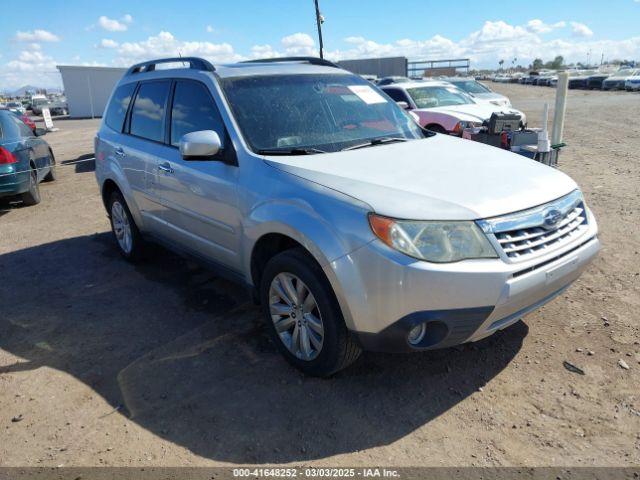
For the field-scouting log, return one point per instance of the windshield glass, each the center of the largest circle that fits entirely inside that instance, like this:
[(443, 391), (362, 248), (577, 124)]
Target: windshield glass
[(470, 86), (439, 96), (323, 112)]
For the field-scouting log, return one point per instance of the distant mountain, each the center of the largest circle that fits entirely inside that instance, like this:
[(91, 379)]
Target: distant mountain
[(30, 88)]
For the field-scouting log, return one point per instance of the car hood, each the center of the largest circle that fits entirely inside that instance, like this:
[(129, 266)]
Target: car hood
[(493, 98), (437, 178), (476, 112)]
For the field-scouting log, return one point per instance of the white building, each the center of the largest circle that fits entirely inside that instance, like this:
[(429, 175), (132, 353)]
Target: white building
[(88, 88)]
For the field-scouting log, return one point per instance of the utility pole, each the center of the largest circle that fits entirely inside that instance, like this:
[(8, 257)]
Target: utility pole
[(319, 21)]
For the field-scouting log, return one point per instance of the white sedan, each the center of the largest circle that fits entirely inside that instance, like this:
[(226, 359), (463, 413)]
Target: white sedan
[(481, 93), (442, 107)]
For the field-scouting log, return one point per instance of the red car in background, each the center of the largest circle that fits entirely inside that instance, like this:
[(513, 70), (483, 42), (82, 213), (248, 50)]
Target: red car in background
[(25, 119), (30, 123)]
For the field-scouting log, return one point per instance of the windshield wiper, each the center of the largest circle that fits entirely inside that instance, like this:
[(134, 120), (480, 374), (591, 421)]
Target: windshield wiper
[(375, 141), (289, 151)]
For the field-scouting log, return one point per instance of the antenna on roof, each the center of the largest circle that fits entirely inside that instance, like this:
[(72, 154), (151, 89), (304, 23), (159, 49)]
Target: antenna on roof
[(319, 22)]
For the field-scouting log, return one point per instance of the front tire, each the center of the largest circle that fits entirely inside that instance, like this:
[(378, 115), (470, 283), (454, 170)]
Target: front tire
[(125, 231), (303, 315)]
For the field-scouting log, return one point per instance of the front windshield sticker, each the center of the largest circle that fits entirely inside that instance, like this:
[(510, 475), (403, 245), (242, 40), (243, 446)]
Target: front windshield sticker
[(367, 94)]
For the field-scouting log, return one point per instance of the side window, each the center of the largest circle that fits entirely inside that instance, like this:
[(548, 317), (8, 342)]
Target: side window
[(147, 114), (396, 95), (114, 117), (193, 110)]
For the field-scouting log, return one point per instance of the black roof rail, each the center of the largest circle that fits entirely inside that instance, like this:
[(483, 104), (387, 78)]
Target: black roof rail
[(310, 60), (195, 63)]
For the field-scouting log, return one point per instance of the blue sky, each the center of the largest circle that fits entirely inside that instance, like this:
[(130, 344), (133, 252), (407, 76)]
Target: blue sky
[(120, 32)]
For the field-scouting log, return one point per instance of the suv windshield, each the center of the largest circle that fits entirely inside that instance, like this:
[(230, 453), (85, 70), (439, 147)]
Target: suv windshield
[(323, 112), (440, 96), (470, 86)]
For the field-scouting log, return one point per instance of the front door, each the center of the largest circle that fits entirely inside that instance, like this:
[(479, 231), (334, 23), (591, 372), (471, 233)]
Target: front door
[(199, 196)]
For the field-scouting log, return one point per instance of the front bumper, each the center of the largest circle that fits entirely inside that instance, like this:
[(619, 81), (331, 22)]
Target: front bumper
[(383, 293)]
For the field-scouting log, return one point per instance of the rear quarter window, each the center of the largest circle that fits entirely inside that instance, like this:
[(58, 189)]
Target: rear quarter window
[(114, 117)]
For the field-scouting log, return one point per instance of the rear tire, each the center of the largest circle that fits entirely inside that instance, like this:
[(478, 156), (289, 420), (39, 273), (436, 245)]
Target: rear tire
[(126, 233), (329, 351), (52, 175), (32, 196)]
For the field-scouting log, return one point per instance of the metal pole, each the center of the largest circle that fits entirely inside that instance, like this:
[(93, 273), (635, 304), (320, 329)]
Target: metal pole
[(560, 109), (319, 22), (90, 96)]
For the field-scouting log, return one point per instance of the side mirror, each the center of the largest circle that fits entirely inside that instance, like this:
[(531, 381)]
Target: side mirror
[(39, 132), (403, 105), (201, 145)]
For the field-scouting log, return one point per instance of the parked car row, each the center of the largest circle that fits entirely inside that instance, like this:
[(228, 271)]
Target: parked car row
[(623, 79), (57, 105)]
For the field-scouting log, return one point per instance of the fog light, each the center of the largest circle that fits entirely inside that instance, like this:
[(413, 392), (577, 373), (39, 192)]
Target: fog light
[(416, 334)]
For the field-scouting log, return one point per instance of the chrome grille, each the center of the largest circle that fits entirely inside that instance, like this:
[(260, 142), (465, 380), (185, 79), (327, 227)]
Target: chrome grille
[(541, 230)]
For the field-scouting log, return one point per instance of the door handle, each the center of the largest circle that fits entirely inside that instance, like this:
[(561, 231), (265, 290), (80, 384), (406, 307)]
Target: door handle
[(166, 168), (120, 152)]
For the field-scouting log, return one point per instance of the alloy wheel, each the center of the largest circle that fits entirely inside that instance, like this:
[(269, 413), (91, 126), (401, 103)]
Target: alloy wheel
[(121, 227), (296, 316)]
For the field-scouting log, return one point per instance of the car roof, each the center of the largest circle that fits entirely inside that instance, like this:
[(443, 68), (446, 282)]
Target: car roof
[(274, 68), (198, 66), (421, 83)]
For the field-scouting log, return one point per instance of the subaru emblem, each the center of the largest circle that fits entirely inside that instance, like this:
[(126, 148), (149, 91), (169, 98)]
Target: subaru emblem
[(552, 217)]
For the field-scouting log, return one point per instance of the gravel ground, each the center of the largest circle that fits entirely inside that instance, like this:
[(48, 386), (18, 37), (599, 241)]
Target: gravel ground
[(163, 364)]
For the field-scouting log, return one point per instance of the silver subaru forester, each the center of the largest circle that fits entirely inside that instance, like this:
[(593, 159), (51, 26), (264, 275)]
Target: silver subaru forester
[(355, 228)]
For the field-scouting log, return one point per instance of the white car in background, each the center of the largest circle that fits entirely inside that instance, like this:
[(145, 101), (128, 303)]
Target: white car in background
[(442, 107), (618, 81), (632, 83), (481, 93), (16, 107)]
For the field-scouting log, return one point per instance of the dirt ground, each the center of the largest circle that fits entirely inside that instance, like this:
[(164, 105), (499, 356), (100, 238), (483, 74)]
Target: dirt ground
[(163, 364)]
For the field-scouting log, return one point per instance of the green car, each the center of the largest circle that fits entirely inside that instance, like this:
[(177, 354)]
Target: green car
[(25, 160)]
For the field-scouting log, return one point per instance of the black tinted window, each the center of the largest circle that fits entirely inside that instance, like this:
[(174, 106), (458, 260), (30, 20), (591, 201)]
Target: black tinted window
[(147, 115), (118, 106), (396, 95), (193, 110)]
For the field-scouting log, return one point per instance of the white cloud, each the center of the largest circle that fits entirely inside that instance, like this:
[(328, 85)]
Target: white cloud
[(494, 41), (538, 26), (112, 25), (127, 18), (108, 43), (210, 29), (37, 36), (581, 30), (299, 44), (264, 51), (166, 45)]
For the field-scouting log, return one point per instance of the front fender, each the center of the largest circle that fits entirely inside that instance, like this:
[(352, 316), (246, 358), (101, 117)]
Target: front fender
[(299, 222), (327, 239)]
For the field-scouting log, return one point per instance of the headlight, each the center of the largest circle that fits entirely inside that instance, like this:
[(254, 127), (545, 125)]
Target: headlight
[(438, 242), (461, 125)]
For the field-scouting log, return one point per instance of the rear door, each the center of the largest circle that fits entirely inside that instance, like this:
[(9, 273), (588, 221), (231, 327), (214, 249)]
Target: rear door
[(200, 196), (143, 147)]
